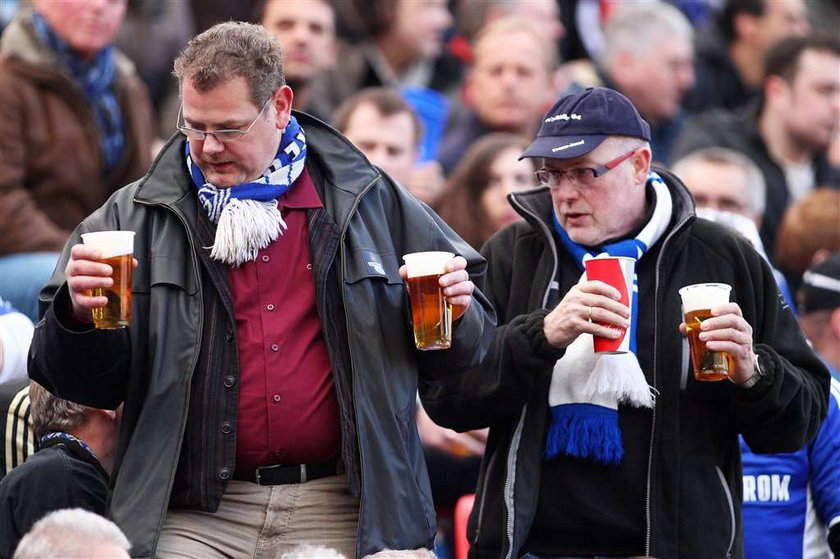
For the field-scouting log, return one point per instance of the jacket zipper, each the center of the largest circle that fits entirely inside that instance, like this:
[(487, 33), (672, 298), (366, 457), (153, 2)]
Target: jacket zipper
[(731, 506), (648, 512), (355, 205), (196, 266), (510, 476)]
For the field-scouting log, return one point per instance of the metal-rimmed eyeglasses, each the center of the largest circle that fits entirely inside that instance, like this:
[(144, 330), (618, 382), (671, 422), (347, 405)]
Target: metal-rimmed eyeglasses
[(225, 135), (583, 177)]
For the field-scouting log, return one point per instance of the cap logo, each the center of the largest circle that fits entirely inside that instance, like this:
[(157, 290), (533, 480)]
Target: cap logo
[(567, 146), (563, 116)]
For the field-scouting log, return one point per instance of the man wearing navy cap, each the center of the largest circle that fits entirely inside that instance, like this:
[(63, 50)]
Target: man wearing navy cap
[(619, 455)]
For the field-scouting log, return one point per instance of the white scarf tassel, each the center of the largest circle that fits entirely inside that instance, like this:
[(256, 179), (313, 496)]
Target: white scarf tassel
[(619, 376), (245, 227)]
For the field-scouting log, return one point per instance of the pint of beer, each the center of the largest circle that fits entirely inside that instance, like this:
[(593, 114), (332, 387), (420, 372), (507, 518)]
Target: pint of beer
[(697, 301), (431, 314), (116, 249)]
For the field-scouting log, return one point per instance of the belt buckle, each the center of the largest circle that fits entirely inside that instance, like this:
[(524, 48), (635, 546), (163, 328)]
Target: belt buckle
[(265, 468)]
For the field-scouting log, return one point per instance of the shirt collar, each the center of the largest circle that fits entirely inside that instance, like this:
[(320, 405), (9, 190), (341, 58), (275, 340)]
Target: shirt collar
[(302, 195)]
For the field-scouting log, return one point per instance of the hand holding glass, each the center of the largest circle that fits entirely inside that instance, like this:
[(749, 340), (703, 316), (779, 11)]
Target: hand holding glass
[(116, 249), (697, 302), (431, 313)]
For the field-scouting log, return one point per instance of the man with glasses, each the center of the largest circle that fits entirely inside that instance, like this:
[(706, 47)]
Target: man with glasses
[(624, 454), (269, 373)]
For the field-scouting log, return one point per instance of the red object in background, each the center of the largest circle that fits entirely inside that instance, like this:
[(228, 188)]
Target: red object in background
[(616, 271), (462, 515)]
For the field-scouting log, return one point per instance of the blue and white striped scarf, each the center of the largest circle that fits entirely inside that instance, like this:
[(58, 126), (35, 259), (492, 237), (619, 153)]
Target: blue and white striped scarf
[(586, 387), (96, 80), (246, 215)]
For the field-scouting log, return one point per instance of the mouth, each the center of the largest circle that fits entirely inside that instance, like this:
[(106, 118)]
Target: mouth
[(573, 218), (221, 167)]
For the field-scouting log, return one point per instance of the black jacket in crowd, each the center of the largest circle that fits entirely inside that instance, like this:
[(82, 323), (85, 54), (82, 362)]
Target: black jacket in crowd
[(60, 475), (683, 455)]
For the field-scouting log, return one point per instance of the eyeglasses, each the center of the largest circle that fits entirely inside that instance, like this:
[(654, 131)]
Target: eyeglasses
[(583, 177), (226, 135)]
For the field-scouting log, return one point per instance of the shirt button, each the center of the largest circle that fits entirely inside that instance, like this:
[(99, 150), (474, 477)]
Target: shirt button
[(229, 336), (277, 397), (227, 428), (229, 381), (275, 347), (309, 266), (265, 258), (270, 307), (224, 473)]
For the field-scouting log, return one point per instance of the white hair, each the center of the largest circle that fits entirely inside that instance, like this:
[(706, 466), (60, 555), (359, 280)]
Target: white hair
[(756, 187), (639, 27), (69, 533)]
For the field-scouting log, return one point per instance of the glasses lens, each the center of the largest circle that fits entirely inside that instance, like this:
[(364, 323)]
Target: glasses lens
[(542, 177), (584, 177), (228, 135), (191, 133)]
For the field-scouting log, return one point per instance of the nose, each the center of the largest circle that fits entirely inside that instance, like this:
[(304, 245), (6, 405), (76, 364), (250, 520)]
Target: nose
[(211, 144)]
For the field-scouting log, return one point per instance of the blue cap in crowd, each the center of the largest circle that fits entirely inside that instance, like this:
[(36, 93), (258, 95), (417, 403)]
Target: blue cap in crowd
[(580, 122)]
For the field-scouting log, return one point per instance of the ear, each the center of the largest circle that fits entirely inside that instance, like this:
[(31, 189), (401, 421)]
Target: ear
[(467, 91), (641, 165), (745, 26), (834, 323), (283, 103), (775, 87)]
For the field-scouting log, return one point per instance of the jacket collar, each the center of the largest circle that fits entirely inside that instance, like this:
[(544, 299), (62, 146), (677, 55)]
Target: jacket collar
[(340, 172)]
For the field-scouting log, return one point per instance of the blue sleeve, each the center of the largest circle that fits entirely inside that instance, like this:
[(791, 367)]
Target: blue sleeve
[(825, 463)]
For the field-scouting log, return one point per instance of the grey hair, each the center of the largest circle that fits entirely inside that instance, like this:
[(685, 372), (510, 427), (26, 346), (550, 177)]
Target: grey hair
[(69, 533), (756, 187), (232, 50), (51, 413), (638, 27)]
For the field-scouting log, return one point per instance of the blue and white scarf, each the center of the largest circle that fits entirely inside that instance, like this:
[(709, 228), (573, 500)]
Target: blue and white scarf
[(246, 215), (96, 80), (586, 387), (67, 437)]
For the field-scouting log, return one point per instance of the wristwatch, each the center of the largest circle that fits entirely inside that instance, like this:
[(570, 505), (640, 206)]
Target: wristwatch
[(754, 378)]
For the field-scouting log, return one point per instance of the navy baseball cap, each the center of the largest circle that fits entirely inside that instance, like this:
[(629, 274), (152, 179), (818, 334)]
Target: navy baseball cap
[(820, 288), (580, 122)]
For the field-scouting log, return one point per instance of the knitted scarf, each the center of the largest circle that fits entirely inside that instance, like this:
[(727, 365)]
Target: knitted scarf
[(96, 80), (586, 387), (246, 215)]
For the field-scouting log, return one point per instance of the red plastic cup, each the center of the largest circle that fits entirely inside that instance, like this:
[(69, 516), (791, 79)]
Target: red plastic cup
[(616, 271)]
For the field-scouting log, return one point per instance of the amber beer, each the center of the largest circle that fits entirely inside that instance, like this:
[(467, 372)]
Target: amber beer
[(431, 314), (117, 250), (697, 301)]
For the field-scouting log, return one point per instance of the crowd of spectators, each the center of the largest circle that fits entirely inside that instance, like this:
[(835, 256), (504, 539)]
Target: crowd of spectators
[(742, 97)]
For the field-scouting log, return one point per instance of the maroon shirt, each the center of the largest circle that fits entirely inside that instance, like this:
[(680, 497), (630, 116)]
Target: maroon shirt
[(288, 412)]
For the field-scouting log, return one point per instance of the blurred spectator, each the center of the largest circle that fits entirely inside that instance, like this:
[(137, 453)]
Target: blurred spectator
[(648, 56), (306, 29), (15, 335), (471, 17), (385, 128), (788, 132), (17, 441), (507, 87), (404, 47), (731, 53), (476, 204), (207, 13), (73, 534), (70, 469), (819, 310), (809, 232), (76, 126)]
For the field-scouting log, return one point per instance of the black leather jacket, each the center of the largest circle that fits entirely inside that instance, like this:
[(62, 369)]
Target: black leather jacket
[(150, 364)]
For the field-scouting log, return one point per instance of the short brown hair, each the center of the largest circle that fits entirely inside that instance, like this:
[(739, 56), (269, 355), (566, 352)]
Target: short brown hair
[(230, 50), (50, 413), (809, 225), (386, 100)]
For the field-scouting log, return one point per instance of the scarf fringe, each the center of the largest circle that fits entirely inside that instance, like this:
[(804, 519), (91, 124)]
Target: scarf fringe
[(245, 227), (620, 377), (586, 431)]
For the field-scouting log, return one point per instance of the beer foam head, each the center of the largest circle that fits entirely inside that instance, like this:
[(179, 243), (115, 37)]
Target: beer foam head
[(426, 263), (110, 243), (704, 296)]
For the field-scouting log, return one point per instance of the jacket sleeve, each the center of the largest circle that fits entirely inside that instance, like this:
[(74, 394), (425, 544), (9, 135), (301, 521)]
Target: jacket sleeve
[(23, 226), (825, 468), (77, 362), (783, 411), (518, 362)]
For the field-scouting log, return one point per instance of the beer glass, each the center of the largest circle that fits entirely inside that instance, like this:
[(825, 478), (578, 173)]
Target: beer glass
[(431, 314), (697, 302), (116, 249)]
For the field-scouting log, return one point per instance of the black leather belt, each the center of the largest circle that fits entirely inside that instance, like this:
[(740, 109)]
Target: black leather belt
[(283, 474)]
